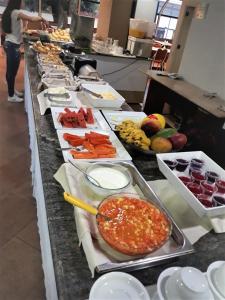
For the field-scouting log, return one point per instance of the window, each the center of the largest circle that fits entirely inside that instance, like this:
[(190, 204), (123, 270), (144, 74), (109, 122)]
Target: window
[(168, 19)]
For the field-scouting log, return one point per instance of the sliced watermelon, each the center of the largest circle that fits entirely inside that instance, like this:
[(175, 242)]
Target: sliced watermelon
[(90, 117), (81, 120), (83, 112)]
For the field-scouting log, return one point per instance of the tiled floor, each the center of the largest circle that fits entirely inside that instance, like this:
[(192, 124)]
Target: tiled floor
[(21, 275)]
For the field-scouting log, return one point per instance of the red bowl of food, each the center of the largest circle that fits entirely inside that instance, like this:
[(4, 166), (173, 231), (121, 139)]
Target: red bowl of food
[(136, 226)]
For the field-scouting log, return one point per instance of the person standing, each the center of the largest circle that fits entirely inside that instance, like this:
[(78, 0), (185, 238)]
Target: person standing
[(63, 8), (54, 4), (12, 27)]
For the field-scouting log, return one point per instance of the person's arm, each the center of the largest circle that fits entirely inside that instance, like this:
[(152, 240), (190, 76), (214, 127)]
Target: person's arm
[(24, 17)]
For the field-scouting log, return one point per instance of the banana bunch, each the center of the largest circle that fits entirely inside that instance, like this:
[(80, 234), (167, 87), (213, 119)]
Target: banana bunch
[(130, 132)]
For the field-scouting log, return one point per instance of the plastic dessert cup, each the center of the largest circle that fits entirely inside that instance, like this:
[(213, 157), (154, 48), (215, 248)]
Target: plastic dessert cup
[(181, 164), (197, 176), (218, 200), (197, 163), (185, 179), (211, 177), (208, 188), (194, 188), (171, 164), (193, 169), (220, 184), (205, 200)]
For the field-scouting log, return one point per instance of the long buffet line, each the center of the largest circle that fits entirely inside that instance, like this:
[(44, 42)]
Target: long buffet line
[(122, 224)]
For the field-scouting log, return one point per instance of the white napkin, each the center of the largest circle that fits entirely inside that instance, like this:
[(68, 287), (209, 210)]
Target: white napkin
[(44, 103), (72, 182)]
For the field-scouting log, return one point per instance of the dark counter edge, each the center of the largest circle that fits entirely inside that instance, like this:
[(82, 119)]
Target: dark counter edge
[(73, 277)]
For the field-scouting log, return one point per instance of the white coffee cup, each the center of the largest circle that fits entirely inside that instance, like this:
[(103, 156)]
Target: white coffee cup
[(219, 279), (187, 283)]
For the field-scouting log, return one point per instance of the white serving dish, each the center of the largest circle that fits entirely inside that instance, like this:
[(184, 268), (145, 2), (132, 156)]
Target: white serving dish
[(103, 102), (115, 118), (162, 280), (100, 122), (210, 276), (122, 154), (182, 189), (118, 285)]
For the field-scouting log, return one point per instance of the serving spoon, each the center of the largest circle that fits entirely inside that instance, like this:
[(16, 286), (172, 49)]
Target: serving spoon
[(82, 171), (81, 204)]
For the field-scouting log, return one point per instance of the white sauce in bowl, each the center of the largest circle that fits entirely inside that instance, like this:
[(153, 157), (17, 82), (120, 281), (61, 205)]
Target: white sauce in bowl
[(109, 178)]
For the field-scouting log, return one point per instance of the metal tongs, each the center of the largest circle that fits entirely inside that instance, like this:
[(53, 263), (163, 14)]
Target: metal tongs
[(92, 93), (65, 95), (89, 78)]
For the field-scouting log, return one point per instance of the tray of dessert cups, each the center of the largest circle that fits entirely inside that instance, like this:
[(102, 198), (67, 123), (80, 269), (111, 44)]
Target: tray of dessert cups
[(197, 178)]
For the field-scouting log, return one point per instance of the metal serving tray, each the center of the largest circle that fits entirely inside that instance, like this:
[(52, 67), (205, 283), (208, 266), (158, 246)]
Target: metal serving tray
[(176, 246)]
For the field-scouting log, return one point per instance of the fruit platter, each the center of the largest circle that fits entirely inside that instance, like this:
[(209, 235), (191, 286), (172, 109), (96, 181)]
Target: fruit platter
[(74, 118), (150, 136), (92, 145)]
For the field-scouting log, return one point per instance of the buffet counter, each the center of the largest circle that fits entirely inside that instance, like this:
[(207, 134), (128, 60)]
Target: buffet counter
[(66, 271)]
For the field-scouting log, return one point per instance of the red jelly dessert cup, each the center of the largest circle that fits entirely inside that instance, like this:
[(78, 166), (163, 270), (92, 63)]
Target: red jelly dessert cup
[(185, 179), (194, 188), (208, 188), (205, 200), (220, 184), (197, 176)]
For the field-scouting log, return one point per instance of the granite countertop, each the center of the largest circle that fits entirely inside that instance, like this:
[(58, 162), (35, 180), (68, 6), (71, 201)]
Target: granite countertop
[(73, 278)]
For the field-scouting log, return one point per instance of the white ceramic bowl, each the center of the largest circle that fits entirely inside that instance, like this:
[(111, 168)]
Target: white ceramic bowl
[(163, 277), (118, 286), (113, 178), (216, 279), (187, 283), (219, 278)]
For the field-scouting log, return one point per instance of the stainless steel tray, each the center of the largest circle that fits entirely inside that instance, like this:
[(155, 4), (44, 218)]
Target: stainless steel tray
[(176, 246)]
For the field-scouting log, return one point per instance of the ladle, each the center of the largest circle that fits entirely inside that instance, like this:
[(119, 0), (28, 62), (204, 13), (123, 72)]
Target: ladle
[(82, 171), (81, 204)]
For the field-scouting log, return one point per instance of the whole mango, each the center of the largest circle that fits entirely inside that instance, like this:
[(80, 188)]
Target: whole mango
[(150, 126), (160, 118), (161, 145)]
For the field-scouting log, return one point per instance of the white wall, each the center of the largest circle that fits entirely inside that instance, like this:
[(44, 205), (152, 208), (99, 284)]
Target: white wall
[(203, 61), (146, 10)]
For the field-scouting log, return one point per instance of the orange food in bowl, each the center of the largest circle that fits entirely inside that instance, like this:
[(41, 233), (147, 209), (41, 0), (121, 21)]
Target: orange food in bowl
[(136, 226)]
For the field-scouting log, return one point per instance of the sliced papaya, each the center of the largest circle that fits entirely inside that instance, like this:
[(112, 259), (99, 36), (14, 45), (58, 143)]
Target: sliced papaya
[(83, 155), (106, 155), (76, 143), (87, 145)]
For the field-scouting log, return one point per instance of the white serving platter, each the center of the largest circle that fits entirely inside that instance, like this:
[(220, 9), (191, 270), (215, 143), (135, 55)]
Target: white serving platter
[(100, 122), (118, 285), (115, 118), (45, 103), (103, 102), (122, 154), (172, 177)]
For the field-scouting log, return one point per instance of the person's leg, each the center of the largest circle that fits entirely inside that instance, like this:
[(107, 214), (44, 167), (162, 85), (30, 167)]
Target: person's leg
[(12, 65), (9, 68)]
